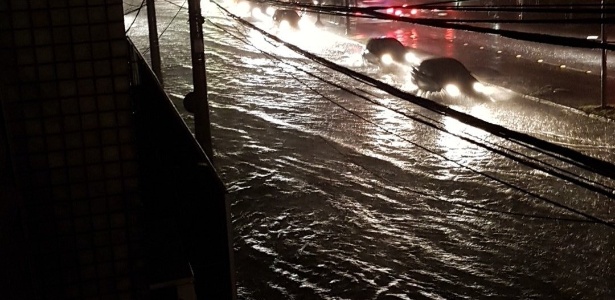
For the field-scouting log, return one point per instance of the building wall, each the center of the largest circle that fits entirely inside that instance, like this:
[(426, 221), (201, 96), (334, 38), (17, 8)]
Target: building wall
[(69, 200)]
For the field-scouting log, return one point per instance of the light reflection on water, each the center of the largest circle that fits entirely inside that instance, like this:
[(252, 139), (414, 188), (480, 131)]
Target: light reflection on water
[(326, 206)]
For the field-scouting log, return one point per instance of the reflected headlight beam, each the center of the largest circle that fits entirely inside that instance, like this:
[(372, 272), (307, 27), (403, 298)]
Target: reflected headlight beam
[(243, 7)]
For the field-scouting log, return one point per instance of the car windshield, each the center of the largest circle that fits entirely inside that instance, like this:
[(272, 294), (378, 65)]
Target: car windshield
[(443, 64), (444, 69), (378, 46)]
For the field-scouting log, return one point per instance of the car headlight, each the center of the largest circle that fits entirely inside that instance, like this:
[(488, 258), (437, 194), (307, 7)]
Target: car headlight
[(304, 24), (256, 12), (243, 7), (270, 10), (478, 87), (284, 25), (386, 59), (452, 90), (410, 57)]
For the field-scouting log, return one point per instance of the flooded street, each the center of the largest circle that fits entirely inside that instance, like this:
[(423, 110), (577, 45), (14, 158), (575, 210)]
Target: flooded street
[(346, 192)]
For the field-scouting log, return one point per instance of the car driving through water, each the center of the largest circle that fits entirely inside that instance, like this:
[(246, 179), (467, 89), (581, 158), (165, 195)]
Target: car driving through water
[(448, 75), (432, 74), (286, 19), (388, 53)]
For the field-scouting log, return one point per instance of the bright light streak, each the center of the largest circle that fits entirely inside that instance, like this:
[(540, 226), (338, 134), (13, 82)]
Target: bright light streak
[(305, 24), (592, 37), (540, 60), (413, 11), (458, 150), (478, 87), (270, 10), (452, 90), (411, 58), (284, 25), (563, 66), (387, 59), (243, 7), (257, 13), (390, 11)]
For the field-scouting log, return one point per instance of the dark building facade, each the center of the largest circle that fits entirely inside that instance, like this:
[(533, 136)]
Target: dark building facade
[(74, 200)]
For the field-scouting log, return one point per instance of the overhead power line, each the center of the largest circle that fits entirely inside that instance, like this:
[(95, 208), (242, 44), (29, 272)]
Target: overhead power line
[(458, 24), (592, 164), (532, 194), (136, 16), (181, 7)]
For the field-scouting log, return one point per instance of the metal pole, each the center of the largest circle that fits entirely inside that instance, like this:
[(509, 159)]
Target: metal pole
[(347, 2), (318, 22), (199, 80), (603, 70), (154, 47)]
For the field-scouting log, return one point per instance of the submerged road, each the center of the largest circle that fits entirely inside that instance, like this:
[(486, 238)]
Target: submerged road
[(350, 193)]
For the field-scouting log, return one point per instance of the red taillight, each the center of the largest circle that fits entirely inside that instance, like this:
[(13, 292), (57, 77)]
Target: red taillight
[(398, 12), (389, 11), (413, 11)]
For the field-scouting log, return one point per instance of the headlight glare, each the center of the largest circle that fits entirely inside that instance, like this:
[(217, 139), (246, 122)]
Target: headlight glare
[(452, 90), (386, 59), (410, 57), (270, 10), (243, 7), (478, 87), (256, 12), (284, 25)]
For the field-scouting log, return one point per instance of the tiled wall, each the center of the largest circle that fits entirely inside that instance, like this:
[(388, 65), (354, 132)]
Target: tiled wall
[(68, 118)]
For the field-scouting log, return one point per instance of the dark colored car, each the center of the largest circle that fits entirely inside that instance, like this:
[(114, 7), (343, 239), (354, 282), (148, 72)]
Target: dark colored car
[(386, 50), (286, 15), (448, 75)]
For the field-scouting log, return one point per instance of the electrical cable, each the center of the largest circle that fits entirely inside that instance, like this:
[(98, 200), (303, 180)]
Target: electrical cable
[(348, 10), (170, 22), (589, 217), (550, 169), (456, 24), (589, 163), (137, 15)]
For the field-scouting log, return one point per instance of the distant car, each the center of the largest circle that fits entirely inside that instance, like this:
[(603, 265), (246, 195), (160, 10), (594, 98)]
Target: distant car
[(252, 10), (286, 18), (384, 51), (448, 75)]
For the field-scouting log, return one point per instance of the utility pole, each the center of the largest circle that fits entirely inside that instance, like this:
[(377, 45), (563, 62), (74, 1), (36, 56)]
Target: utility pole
[(199, 80), (603, 70), (154, 47), (318, 22), (347, 3)]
